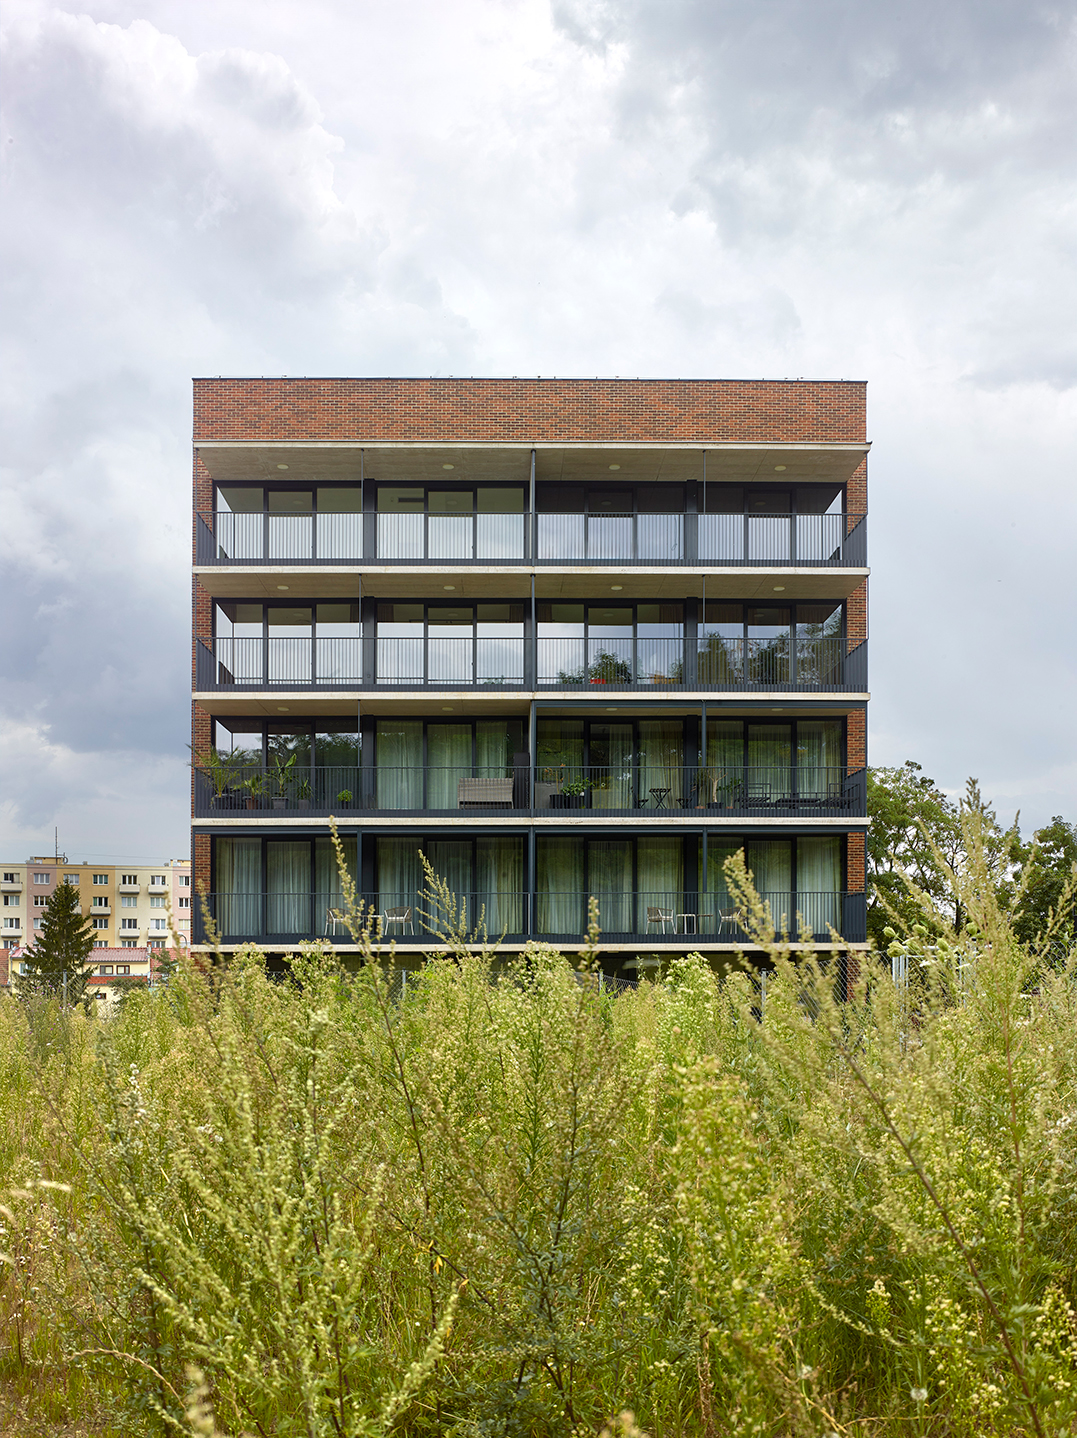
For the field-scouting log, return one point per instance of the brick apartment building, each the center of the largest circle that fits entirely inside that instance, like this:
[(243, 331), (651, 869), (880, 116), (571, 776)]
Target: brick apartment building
[(564, 637)]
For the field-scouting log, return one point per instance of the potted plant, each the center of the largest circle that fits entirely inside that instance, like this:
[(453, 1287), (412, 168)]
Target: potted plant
[(280, 774), (571, 793), (222, 771), (607, 668), (303, 794), (254, 784), (345, 798)]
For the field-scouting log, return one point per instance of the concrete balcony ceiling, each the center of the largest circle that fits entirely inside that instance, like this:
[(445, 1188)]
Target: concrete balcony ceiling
[(315, 462)]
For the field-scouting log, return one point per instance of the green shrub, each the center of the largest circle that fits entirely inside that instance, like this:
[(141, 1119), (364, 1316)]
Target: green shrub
[(501, 1202)]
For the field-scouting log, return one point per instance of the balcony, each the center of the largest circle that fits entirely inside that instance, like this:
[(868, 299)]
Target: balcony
[(677, 917), (642, 791), (129, 888), (11, 886), (724, 665), (837, 541), (96, 911)]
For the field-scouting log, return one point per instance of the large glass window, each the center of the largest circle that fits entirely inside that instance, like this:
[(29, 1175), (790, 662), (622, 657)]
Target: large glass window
[(610, 643), (455, 753), (450, 644), (486, 876), (771, 525), (451, 523)]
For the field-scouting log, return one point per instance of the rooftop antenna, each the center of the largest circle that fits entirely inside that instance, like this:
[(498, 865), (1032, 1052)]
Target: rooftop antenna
[(56, 842)]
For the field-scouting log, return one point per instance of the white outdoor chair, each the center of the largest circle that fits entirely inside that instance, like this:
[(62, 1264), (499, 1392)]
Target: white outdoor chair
[(401, 915), (662, 917)]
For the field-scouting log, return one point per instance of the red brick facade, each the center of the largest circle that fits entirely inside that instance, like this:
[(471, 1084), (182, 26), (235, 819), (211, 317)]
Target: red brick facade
[(524, 411), (855, 864)]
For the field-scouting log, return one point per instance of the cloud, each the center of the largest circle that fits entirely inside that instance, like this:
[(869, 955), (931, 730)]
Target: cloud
[(691, 187)]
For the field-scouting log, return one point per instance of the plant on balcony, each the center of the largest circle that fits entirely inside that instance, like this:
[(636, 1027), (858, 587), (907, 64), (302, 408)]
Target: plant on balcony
[(255, 786), (344, 797), (224, 772), (279, 776), (302, 794), (607, 668)]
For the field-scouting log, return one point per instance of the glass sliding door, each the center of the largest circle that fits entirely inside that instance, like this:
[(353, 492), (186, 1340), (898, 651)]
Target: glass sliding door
[(715, 899), (401, 644), (820, 646), (820, 760), (450, 860), (499, 523), (336, 763), (239, 522), (722, 783), (770, 861), (562, 904), (660, 643), (610, 658), (337, 649), (329, 884), (770, 756), (819, 883), (721, 647), (769, 531), (401, 518), (340, 522), (609, 772), (398, 764), (661, 764), (239, 642), (499, 644), (290, 648), (238, 876), (562, 646), (768, 644), (288, 886), (399, 877), (660, 886), (451, 532), (291, 523), (448, 757), (450, 644), (499, 885), (610, 882)]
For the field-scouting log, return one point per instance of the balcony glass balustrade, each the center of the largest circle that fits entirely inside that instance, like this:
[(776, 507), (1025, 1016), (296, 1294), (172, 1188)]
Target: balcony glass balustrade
[(648, 915), (720, 663), (643, 790), (738, 540)]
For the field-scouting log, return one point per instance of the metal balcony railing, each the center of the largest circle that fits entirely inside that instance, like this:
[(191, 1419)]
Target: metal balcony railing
[(808, 663), (637, 787), (651, 915), (749, 540)]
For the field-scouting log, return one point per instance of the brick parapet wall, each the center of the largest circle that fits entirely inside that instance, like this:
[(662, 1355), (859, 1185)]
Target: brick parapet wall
[(856, 740), (200, 866), (856, 616), (855, 863), (531, 411)]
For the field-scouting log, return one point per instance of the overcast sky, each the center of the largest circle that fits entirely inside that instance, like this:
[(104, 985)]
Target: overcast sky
[(717, 188)]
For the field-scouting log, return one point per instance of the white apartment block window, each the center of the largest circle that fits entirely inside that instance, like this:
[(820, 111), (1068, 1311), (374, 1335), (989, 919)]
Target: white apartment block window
[(128, 878), (100, 878), (157, 901), (158, 924), (158, 879), (128, 923), (128, 901), (41, 878), (185, 881), (12, 923), (11, 901), (37, 923), (104, 968), (40, 900), (71, 878), (184, 903), (123, 968), (100, 943), (99, 901), (100, 923), (128, 943), (10, 877)]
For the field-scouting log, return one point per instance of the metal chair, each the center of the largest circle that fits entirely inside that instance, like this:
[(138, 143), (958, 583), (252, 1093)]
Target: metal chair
[(727, 919), (401, 915), (656, 915)]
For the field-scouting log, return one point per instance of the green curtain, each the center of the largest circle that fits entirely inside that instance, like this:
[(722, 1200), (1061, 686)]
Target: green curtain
[(399, 875), (610, 770), (398, 761), (722, 780), (328, 893), (819, 883), (770, 755), (238, 907), (499, 884), (451, 861), (288, 886), (494, 748), (562, 904), (819, 758), (660, 878), (610, 882), (448, 758), (770, 861), (661, 761)]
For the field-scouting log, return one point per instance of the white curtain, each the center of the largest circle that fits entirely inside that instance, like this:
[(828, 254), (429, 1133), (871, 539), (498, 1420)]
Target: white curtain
[(722, 780), (661, 760), (398, 759), (611, 766), (819, 756), (238, 908), (819, 883), (448, 757), (399, 875), (499, 884), (610, 882), (769, 758), (660, 871), (562, 904), (288, 887), (451, 861), (770, 861), (328, 893)]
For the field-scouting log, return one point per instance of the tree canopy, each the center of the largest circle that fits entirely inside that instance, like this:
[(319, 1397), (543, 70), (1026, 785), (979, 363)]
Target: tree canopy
[(62, 947)]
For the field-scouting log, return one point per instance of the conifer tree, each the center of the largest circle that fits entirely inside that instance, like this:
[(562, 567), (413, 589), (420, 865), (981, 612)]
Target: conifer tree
[(63, 944)]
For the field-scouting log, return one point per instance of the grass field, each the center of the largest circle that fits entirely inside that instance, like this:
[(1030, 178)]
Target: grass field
[(508, 1204)]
